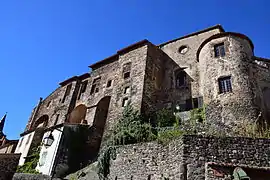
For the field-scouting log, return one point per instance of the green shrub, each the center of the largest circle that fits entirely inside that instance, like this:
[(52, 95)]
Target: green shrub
[(168, 135), (31, 163), (165, 118), (131, 128)]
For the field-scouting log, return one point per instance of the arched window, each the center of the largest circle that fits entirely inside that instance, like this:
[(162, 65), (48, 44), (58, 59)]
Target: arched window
[(180, 79)]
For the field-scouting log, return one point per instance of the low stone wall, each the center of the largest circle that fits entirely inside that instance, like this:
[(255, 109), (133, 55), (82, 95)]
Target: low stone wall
[(8, 165), (186, 158), (148, 161)]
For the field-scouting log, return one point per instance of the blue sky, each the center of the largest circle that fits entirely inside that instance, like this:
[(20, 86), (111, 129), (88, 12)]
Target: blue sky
[(45, 42)]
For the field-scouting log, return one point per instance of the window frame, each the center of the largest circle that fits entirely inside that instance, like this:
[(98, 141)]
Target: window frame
[(109, 83), (126, 70), (95, 85), (184, 84), (83, 88), (225, 84), (219, 50), (67, 92)]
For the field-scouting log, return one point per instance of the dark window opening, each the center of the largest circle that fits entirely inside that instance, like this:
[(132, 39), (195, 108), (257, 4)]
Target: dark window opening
[(125, 102), (195, 102), (181, 79), (56, 119), (49, 103), (127, 90), (109, 83), (225, 85), (126, 75), (68, 89), (83, 88), (219, 50), (188, 104), (149, 177), (95, 85), (126, 70), (115, 178)]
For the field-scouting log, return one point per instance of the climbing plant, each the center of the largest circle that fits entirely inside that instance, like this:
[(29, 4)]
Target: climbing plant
[(131, 128), (31, 162)]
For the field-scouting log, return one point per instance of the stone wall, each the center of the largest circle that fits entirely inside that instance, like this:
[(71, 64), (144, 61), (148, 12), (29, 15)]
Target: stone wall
[(188, 58), (8, 165), (186, 157), (228, 109), (261, 73)]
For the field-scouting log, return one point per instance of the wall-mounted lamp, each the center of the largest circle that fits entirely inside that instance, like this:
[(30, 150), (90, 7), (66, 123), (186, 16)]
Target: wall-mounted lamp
[(48, 140)]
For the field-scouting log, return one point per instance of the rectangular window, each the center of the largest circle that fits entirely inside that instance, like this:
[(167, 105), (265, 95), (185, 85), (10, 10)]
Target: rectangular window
[(219, 50), (127, 90), (225, 85), (195, 102), (109, 83), (83, 88), (125, 102), (28, 138), (126, 70), (20, 144), (68, 89), (95, 85)]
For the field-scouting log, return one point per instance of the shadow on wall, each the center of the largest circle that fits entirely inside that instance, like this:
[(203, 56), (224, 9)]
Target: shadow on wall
[(78, 114), (41, 122), (80, 144)]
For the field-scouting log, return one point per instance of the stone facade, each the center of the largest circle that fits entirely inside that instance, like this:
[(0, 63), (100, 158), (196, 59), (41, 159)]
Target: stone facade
[(8, 165), (189, 157), (181, 74)]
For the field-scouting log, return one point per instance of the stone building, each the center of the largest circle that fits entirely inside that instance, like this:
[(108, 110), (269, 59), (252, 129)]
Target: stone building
[(210, 67)]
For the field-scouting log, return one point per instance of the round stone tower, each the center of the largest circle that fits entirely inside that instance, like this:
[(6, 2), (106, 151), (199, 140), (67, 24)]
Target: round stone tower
[(225, 78)]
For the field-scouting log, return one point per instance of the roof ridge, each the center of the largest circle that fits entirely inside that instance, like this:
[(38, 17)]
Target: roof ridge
[(195, 33)]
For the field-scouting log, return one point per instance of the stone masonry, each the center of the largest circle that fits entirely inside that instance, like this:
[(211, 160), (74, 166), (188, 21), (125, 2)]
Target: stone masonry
[(210, 68), (188, 157)]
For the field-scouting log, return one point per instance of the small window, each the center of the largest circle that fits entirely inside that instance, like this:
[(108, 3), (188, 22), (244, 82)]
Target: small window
[(126, 70), (149, 177), (126, 75), (28, 138), (180, 79), (195, 102), (68, 89), (95, 86), (127, 90), (219, 50), (83, 88), (183, 49), (49, 103), (56, 119), (225, 85), (109, 83), (21, 142), (125, 102)]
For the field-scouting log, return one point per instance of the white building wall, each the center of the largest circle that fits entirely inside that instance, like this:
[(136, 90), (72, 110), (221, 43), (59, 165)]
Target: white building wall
[(23, 146), (47, 154)]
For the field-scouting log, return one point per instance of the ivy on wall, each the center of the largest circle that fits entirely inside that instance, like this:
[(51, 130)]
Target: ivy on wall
[(31, 162)]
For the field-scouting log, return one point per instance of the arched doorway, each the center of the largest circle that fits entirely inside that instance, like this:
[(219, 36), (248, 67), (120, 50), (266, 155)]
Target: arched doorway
[(98, 126), (41, 122), (78, 114), (101, 112)]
